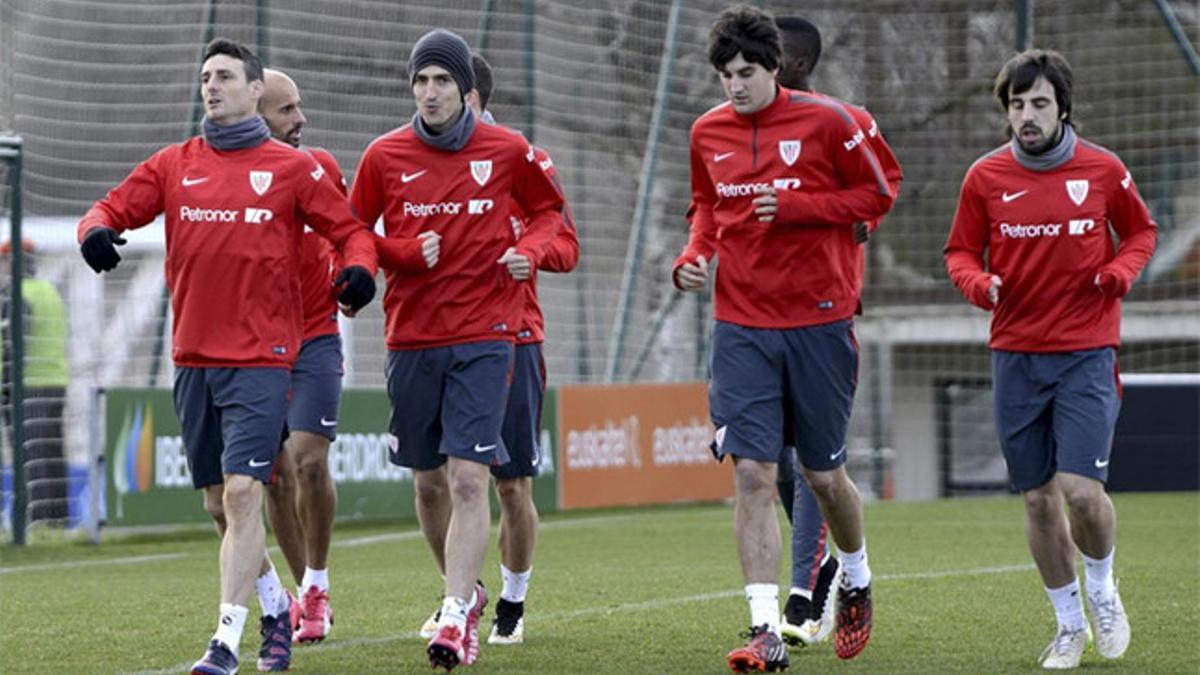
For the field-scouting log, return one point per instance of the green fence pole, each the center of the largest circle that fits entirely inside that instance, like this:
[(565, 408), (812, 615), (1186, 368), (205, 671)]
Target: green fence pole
[(530, 72), (261, 37), (633, 257), (485, 25), (1181, 38), (10, 151), (583, 366), (1024, 27), (660, 318)]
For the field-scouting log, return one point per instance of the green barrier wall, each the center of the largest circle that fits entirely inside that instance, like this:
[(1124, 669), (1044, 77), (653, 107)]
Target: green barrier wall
[(148, 482)]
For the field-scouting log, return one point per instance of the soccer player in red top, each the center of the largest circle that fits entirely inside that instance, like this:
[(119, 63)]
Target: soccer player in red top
[(235, 203), (302, 501), (808, 615), (523, 414), (445, 186), (779, 177), (1043, 209)]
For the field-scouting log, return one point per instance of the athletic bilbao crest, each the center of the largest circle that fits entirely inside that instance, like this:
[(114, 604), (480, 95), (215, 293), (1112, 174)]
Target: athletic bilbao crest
[(481, 171), (789, 151), (1077, 190), (261, 181)]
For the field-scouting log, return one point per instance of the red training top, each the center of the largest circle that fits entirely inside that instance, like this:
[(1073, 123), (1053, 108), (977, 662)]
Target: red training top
[(801, 269), (466, 197), (1046, 235), (234, 223)]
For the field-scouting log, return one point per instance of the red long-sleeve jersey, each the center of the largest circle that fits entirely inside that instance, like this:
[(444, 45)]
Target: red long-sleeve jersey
[(561, 256), (320, 264), (800, 269), (1046, 235), (234, 222), (466, 197)]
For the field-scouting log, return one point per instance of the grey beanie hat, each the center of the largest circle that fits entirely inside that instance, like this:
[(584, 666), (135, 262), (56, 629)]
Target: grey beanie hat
[(443, 48)]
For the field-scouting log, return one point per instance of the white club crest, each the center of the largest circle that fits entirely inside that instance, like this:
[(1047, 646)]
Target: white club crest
[(1077, 190), (789, 151), (481, 171), (261, 181)]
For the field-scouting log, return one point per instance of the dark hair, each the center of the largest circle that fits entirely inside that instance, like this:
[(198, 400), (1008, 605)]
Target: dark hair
[(483, 79), (239, 51), (801, 40), (747, 30), (1021, 71)]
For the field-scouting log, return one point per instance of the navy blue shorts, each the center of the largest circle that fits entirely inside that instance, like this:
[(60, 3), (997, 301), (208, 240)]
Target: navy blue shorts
[(1055, 412), (795, 386), (317, 387), (231, 420), (523, 416), (448, 402)]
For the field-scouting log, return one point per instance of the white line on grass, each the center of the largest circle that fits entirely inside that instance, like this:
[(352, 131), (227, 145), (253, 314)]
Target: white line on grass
[(353, 542), (132, 560), (626, 607)]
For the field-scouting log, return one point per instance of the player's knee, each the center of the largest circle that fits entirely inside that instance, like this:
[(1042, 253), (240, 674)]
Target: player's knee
[(1043, 502), (466, 489), (514, 490), (214, 506), (431, 488), (1083, 494), (243, 496), (755, 478), (312, 466)]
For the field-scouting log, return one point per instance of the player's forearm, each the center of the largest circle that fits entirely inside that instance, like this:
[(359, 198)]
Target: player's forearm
[(400, 254), (837, 207), (358, 249), (1134, 252), (563, 254), (538, 235), (966, 272)]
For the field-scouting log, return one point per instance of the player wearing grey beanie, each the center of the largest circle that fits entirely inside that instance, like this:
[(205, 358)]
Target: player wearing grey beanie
[(443, 48)]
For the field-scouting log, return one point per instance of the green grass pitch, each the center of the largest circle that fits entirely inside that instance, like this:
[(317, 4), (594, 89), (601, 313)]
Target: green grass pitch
[(636, 590)]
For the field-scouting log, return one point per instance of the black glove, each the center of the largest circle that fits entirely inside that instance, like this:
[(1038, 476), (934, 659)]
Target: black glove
[(98, 249), (358, 287)]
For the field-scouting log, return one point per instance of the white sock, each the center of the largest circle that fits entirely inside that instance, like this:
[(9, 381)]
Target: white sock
[(764, 605), (318, 578), (855, 569), (1099, 574), (802, 592), (516, 584), (271, 597), (454, 612), (230, 625), (1068, 606)]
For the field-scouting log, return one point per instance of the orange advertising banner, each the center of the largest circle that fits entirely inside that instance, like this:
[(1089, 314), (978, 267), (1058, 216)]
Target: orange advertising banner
[(625, 445)]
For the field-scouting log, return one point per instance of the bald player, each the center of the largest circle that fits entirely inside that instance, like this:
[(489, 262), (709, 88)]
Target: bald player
[(302, 500)]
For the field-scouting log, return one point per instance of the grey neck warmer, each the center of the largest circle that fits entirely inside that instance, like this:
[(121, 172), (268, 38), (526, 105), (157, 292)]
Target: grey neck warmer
[(245, 134), (451, 140), (1060, 154)]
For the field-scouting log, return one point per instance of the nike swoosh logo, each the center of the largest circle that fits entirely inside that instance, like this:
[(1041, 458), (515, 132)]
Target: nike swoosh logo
[(325, 422), (256, 463), (1016, 195), (409, 177), (837, 454), (722, 156), (188, 182), (1101, 465), (484, 448)]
